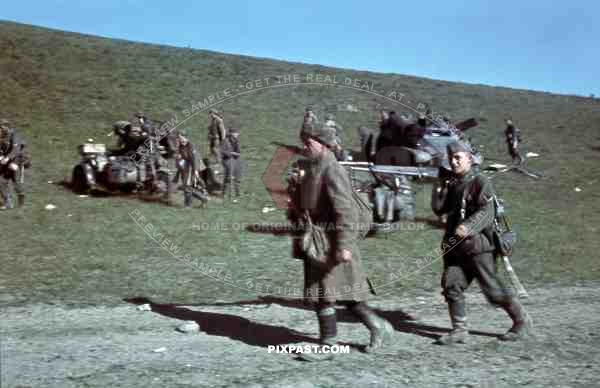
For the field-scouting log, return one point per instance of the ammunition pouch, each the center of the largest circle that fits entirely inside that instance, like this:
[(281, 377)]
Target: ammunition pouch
[(504, 242), (314, 245)]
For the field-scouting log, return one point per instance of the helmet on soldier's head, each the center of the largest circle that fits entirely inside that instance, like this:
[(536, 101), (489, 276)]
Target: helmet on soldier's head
[(422, 121), (233, 131), (120, 126), (139, 114), (509, 122), (323, 134), (456, 147), (329, 117)]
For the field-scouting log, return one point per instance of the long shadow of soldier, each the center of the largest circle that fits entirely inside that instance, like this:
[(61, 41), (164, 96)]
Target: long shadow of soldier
[(231, 326), (401, 321), (257, 334)]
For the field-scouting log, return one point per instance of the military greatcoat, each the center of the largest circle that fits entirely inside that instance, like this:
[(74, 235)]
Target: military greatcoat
[(325, 193)]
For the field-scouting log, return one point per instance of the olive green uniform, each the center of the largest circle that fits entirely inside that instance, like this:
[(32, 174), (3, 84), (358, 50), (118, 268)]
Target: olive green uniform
[(325, 195)]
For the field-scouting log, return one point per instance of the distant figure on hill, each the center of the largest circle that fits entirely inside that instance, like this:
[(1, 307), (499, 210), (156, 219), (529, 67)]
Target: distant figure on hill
[(513, 138)]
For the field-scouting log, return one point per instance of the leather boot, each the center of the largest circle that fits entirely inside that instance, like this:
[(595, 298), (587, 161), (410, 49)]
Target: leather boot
[(327, 335), (20, 200), (327, 326), (522, 322), (381, 330), (7, 202), (459, 333), (187, 199)]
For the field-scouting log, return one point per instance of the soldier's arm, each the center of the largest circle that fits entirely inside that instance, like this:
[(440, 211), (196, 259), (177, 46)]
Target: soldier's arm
[(222, 131), (225, 149), (338, 188), (484, 216)]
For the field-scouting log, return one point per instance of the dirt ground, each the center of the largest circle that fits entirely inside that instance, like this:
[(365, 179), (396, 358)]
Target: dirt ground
[(52, 346)]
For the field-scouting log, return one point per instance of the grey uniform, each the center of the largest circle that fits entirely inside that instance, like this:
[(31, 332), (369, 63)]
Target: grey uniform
[(468, 201)]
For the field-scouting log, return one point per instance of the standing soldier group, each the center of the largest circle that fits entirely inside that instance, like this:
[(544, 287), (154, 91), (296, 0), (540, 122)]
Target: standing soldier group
[(191, 168)]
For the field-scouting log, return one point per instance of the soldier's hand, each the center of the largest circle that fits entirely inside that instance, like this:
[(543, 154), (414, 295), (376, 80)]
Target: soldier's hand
[(344, 256), (462, 231)]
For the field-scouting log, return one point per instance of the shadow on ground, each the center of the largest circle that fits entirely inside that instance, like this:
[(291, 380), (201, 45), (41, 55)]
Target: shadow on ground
[(231, 326), (257, 334)]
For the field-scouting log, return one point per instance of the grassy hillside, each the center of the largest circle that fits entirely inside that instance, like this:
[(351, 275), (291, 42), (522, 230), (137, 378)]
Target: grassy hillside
[(62, 88)]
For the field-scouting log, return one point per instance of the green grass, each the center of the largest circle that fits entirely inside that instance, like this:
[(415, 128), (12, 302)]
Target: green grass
[(62, 88)]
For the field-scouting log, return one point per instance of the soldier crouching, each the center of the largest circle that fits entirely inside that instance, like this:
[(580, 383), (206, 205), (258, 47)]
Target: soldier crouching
[(468, 247), (324, 196)]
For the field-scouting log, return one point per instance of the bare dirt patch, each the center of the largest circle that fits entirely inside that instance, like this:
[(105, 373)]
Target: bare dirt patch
[(120, 346)]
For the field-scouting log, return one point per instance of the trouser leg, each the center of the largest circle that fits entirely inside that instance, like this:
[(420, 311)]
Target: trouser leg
[(187, 196), (498, 294), (5, 190), (454, 283), (483, 267), (19, 189)]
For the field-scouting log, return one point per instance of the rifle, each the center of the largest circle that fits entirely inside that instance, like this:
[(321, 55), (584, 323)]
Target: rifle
[(514, 279), (420, 172)]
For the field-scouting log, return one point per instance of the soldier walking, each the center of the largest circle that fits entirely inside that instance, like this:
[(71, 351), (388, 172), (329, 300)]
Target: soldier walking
[(324, 196), (13, 162), (513, 138), (232, 169), (468, 247)]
